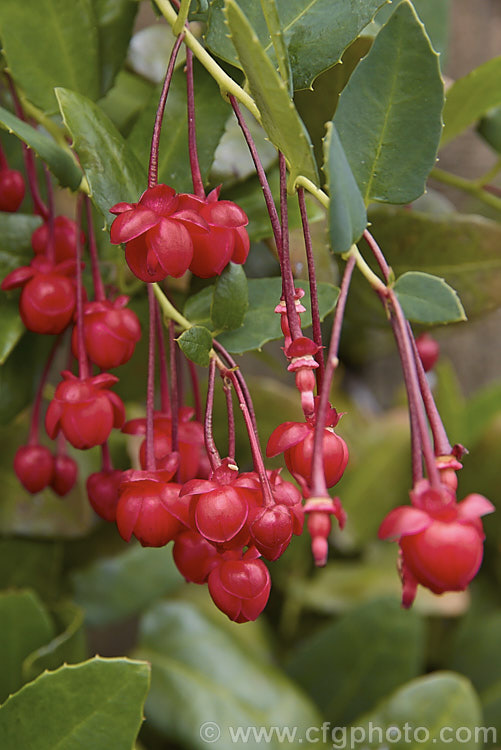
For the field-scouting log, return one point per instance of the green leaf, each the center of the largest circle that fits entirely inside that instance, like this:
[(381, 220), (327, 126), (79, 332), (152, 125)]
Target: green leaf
[(115, 20), (11, 327), (316, 33), (476, 653), (275, 31), (442, 699), (17, 382), (196, 343), (211, 112), (60, 161), (278, 115), (26, 563), (428, 299), (262, 323), (97, 704), (470, 98), (349, 665), (347, 214), (126, 100), (113, 588), (391, 138), (227, 683), (26, 626), (111, 168), (67, 647), (435, 17), (51, 43), (230, 299), (15, 240), (489, 128)]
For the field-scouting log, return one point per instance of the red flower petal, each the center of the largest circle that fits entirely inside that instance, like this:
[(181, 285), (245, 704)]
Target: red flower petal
[(130, 224), (404, 521)]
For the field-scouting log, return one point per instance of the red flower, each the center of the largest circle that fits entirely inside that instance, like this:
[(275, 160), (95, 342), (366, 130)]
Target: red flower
[(34, 467), (48, 298), (227, 238), (11, 189), (65, 239), (146, 501), (155, 230), (441, 541), (240, 588), (111, 333), (85, 410)]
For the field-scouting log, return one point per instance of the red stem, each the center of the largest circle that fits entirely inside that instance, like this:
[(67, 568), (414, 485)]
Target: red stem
[(51, 241), (238, 374), (196, 176), (174, 391), (35, 413), (83, 362), (318, 485), (29, 159), (162, 364), (157, 128), (107, 464), (312, 277), (196, 390), (287, 277), (231, 418), (378, 254), (4, 164), (150, 388), (97, 282), (210, 445)]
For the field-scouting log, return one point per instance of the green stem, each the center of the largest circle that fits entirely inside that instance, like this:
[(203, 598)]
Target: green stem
[(182, 17), (489, 175), (226, 83), (310, 186), (366, 271), (168, 309), (468, 186)]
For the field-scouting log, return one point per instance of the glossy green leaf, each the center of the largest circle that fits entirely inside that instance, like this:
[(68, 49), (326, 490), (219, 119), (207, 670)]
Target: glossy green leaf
[(438, 700), (115, 20), (347, 214), (67, 647), (11, 326), (262, 323), (126, 100), (428, 299), (97, 704), (196, 343), (230, 299), (27, 563), (489, 128), (51, 43), (470, 98), (435, 17), (112, 170), (113, 588), (279, 117), (211, 112), (316, 33), (26, 625), (228, 683), (60, 161), (476, 653), (275, 31), (351, 664), (391, 138)]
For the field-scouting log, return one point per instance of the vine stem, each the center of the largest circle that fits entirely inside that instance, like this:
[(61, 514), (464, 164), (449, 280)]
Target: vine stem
[(35, 414), (196, 176), (468, 186), (97, 282), (226, 83), (83, 362), (150, 388), (322, 198), (318, 485), (312, 278), (155, 140), (168, 309), (210, 445)]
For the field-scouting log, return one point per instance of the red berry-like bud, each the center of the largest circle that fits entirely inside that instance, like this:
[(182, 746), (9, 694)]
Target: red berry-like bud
[(144, 508), (428, 350), (194, 556), (65, 239), (11, 190), (102, 491), (271, 530), (111, 332), (85, 410), (240, 588), (65, 475), (298, 459), (34, 466), (220, 514)]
